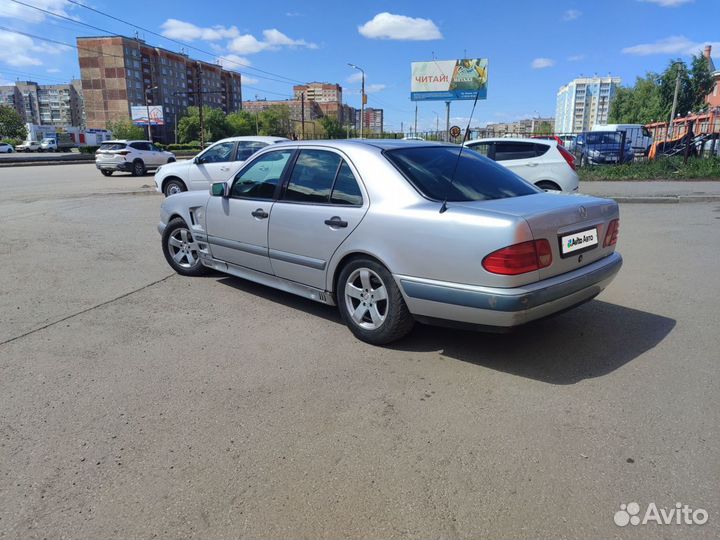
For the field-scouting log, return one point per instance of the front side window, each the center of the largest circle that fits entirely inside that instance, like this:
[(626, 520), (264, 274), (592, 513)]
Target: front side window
[(313, 176), (259, 179), (143, 146), (218, 153), (476, 178), (245, 149)]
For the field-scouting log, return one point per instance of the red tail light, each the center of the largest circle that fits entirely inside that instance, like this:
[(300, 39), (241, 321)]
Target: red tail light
[(568, 156), (612, 233), (519, 258)]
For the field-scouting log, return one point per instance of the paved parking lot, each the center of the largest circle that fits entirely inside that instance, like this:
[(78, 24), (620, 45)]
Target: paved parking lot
[(138, 403)]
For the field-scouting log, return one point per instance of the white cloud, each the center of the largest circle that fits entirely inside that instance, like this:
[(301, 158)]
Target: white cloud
[(11, 10), (249, 80), (175, 29), (670, 45), (571, 15), (293, 14), (53, 70), (18, 49), (389, 26), (233, 62), (542, 63), (274, 39), (355, 77), (668, 3), (374, 88), (576, 57)]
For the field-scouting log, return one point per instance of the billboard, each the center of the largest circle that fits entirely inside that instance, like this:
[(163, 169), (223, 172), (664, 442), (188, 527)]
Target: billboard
[(449, 80), (139, 115)]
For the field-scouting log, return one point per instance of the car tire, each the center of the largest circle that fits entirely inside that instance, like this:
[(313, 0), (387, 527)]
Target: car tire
[(181, 250), (106, 173), (548, 185), (138, 168), (173, 187), (373, 320)]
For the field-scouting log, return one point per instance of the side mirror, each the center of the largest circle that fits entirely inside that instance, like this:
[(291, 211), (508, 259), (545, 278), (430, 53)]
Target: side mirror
[(197, 160), (220, 189)]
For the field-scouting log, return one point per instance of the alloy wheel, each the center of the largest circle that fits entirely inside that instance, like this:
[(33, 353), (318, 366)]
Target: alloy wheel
[(366, 298), (183, 248)]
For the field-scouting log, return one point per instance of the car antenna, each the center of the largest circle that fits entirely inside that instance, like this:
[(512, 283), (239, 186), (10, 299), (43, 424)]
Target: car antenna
[(443, 208)]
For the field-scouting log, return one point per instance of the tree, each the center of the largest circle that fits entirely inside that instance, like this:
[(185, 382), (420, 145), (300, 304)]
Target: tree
[(215, 122), (701, 81), (332, 127), (667, 89), (544, 128), (639, 104), (241, 123), (11, 123), (275, 120), (125, 129)]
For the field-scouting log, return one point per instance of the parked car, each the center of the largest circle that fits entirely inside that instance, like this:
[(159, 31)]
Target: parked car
[(397, 231), (28, 146), (135, 157), (6, 148), (48, 144), (637, 135), (544, 162), (601, 147), (217, 163)]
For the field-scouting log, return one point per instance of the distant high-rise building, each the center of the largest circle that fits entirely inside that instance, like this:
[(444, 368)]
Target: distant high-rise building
[(319, 92), (373, 120), (57, 105), (584, 102), (119, 72)]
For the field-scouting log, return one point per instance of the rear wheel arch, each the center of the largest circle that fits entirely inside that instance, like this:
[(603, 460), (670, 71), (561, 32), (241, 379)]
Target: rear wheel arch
[(548, 184), (349, 257)]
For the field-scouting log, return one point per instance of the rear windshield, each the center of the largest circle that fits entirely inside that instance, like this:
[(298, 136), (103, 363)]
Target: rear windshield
[(112, 146), (477, 178)]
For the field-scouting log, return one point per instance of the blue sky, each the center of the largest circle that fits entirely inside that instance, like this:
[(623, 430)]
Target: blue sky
[(533, 47)]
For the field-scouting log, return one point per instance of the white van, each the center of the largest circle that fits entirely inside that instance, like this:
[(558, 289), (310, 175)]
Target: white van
[(637, 135)]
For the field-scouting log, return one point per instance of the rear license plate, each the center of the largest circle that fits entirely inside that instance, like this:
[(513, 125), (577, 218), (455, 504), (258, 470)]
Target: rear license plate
[(579, 241)]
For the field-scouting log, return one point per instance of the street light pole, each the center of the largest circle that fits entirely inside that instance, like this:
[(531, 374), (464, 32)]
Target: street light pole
[(362, 97), (147, 111)]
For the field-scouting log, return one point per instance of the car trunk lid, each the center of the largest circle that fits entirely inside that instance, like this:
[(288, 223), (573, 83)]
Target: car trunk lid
[(574, 225)]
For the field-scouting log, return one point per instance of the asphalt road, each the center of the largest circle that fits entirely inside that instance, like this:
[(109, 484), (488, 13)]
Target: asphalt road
[(135, 403)]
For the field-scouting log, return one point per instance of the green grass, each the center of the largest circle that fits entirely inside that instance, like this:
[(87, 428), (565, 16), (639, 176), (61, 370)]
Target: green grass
[(671, 168)]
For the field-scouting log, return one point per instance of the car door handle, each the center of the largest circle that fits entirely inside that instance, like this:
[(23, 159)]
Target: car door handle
[(260, 214), (224, 168), (532, 164), (336, 222)]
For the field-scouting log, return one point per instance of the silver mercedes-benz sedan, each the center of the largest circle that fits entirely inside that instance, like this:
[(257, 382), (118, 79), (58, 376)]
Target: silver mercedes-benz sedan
[(394, 232)]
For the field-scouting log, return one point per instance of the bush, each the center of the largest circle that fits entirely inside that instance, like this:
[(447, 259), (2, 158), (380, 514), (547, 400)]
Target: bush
[(192, 147), (662, 168), (88, 149), (13, 142)]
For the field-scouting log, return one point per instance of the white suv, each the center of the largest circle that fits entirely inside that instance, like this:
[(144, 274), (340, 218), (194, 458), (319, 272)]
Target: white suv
[(217, 163), (539, 161), (135, 157)]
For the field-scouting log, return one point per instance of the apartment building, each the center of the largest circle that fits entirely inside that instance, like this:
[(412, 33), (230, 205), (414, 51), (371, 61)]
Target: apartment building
[(584, 102), (372, 121), (57, 105), (319, 92), (519, 127), (118, 73)]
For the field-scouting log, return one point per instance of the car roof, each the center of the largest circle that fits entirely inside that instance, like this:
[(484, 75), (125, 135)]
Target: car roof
[(381, 144), (514, 139), (253, 138), (122, 141)]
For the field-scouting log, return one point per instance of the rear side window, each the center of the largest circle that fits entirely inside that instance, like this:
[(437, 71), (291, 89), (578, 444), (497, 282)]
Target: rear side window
[(477, 178), (506, 151), (540, 149), (313, 176), (112, 146), (481, 148), (245, 149), (140, 146), (346, 189)]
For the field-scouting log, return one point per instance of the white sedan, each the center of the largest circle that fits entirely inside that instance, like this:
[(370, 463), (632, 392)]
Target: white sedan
[(539, 161), (217, 163)]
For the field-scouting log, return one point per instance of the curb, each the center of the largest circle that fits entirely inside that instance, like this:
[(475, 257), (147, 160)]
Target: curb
[(5, 164)]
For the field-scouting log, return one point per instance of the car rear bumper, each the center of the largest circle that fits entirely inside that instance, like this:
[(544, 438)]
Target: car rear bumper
[(496, 307), (113, 166)]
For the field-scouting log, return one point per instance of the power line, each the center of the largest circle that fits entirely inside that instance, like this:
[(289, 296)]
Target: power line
[(183, 44)]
